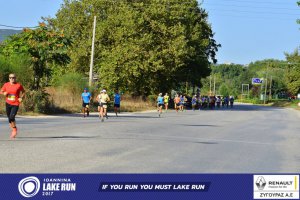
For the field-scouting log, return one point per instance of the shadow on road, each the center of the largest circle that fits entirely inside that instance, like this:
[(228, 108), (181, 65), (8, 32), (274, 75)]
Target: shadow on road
[(198, 125), (58, 137), (242, 107), (53, 138)]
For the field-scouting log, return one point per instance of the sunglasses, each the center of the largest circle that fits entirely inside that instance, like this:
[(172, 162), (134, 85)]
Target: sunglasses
[(12, 77)]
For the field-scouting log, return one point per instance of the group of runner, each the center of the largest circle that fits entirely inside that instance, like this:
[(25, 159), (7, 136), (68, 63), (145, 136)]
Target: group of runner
[(14, 93), (180, 102), (103, 100), (211, 102)]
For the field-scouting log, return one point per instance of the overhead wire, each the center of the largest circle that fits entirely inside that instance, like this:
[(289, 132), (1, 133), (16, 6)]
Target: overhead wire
[(249, 6), (257, 2), (250, 11), (9, 26)]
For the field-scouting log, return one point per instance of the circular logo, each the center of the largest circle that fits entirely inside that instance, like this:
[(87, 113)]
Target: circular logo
[(30, 186)]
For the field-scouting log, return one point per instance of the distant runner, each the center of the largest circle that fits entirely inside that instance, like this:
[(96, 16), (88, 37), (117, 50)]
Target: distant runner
[(177, 103), (231, 100), (194, 102), (103, 99), (86, 99), (166, 101), (181, 103), (117, 102), (14, 93), (160, 103)]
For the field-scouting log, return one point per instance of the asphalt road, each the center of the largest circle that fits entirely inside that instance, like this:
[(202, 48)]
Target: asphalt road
[(245, 139)]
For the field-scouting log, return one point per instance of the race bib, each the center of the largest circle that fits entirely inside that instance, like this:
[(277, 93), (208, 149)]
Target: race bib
[(11, 97)]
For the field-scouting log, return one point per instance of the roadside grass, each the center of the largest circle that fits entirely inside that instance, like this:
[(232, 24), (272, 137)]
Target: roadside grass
[(253, 101), (274, 102), (286, 103), (63, 101), (2, 104)]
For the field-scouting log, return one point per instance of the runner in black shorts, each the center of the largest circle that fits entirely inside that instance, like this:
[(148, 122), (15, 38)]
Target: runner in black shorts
[(86, 98), (160, 103), (117, 102), (14, 93)]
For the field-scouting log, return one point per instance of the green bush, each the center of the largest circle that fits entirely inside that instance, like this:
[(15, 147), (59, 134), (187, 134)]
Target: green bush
[(152, 98), (73, 82), (254, 101), (19, 65), (37, 101)]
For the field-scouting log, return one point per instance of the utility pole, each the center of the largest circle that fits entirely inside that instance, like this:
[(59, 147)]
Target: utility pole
[(210, 85), (266, 84), (270, 93), (186, 87), (214, 85), (92, 54)]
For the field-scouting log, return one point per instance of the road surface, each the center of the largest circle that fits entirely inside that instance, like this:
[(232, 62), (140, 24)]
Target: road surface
[(245, 139)]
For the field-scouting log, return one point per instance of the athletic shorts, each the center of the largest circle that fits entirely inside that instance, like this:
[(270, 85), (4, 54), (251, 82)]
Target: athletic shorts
[(85, 105), (177, 104), (117, 105), (11, 111), (160, 105), (104, 105)]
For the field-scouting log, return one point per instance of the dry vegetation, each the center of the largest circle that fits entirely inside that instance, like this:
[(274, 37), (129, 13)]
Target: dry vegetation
[(65, 100)]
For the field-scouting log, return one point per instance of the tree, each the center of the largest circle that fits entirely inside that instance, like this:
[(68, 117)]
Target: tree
[(293, 72), (44, 46), (141, 46)]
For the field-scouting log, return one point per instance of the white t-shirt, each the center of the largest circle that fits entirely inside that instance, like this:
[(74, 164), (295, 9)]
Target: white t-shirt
[(103, 98)]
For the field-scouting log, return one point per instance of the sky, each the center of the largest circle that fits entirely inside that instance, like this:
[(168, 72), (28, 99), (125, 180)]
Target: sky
[(248, 30), (251, 30)]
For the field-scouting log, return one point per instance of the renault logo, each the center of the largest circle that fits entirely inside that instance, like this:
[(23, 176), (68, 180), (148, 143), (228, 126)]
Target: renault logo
[(260, 183)]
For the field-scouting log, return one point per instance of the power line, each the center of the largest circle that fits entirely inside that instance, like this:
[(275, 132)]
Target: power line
[(258, 2), (255, 12), (248, 6), (253, 18), (9, 26)]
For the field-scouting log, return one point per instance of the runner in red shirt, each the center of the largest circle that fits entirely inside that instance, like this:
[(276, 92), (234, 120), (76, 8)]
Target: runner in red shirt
[(14, 92)]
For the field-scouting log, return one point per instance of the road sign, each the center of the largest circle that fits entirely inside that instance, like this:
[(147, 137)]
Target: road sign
[(257, 81)]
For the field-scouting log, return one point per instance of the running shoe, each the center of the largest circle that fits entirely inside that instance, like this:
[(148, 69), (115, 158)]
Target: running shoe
[(14, 132)]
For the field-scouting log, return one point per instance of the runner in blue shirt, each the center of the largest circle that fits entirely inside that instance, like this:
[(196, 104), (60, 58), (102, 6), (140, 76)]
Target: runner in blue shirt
[(160, 103), (86, 98), (117, 102)]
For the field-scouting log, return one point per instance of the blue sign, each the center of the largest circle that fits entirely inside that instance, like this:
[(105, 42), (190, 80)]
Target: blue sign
[(256, 81)]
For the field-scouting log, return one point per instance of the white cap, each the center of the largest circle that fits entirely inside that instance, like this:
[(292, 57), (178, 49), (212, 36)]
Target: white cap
[(103, 90)]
